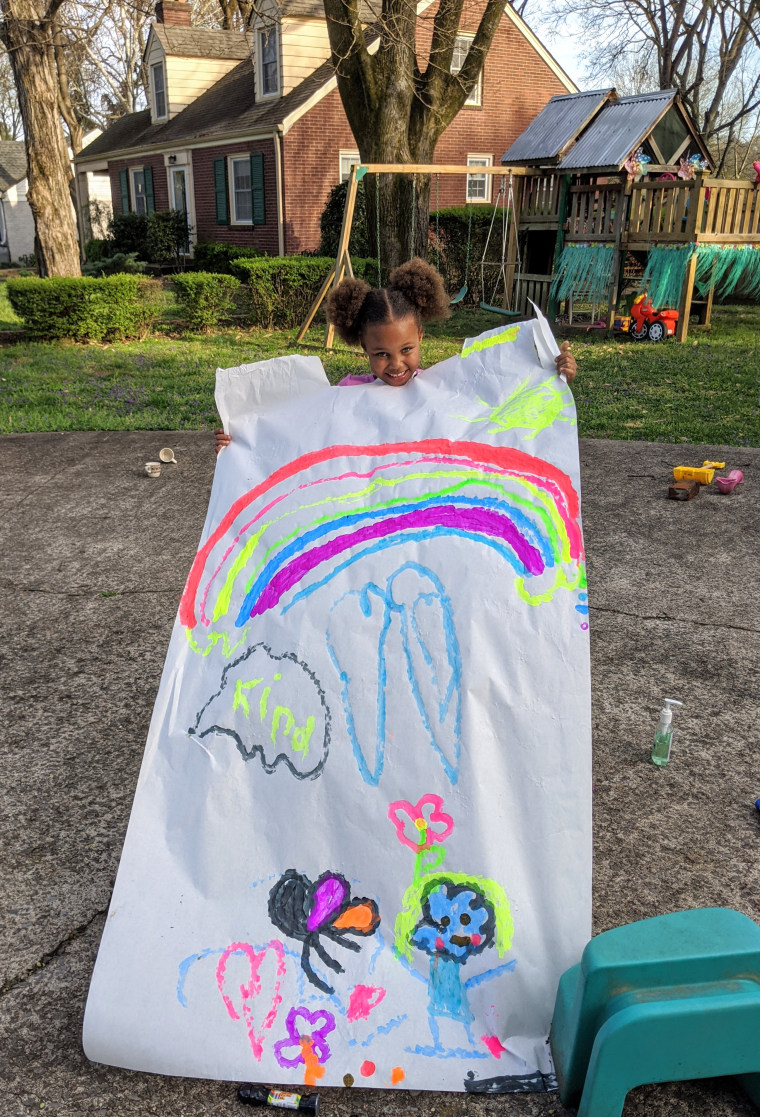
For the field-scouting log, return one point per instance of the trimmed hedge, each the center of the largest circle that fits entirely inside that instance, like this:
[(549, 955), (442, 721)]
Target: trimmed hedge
[(216, 256), (206, 297), (281, 289), (87, 309)]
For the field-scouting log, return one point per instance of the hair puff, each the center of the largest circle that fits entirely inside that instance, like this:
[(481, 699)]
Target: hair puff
[(422, 287), (343, 309)]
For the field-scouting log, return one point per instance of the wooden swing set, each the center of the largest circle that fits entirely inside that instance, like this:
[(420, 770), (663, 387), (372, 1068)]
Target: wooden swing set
[(508, 265)]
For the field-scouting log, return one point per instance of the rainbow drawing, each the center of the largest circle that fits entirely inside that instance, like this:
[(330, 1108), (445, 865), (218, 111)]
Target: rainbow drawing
[(311, 519)]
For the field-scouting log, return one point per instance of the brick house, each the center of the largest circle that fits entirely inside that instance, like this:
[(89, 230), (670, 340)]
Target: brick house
[(246, 131)]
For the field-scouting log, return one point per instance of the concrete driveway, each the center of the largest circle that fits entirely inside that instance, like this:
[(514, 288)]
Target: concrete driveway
[(93, 561)]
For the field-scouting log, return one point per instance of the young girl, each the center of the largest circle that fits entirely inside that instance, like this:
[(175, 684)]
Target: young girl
[(387, 323)]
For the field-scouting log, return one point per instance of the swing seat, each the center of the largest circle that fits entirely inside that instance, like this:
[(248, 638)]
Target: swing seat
[(459, 295), (500, 310)]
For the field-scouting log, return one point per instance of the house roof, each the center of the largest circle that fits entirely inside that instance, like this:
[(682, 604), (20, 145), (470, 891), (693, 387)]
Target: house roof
[(12, 162), (617, 131), (229, 106), (300, 9), (555, 128), (201, 42)]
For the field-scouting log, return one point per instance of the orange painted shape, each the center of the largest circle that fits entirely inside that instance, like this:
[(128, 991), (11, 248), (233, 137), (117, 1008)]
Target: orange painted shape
[(313, 1068), (359, 917), (397, 1075)]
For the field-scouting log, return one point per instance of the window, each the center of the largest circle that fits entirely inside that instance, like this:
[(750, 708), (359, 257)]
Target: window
[(479, 186), (139, 196), (347, 158), (270, 78), (462, 44), (159, 89), (242, 209)]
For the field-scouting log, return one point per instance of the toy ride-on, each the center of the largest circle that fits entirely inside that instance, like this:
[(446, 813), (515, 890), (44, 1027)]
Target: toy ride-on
[(650, 323)]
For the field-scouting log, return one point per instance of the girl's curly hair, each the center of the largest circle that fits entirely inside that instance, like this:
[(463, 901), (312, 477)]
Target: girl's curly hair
[(414, 289)]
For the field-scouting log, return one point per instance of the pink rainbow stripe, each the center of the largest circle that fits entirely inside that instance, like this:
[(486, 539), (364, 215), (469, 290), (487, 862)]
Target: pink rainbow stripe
[(505, 459)]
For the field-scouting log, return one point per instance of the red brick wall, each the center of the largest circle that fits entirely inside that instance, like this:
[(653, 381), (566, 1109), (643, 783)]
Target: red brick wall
[(263, 237), (160, 181), (311, 167), (517, 83)]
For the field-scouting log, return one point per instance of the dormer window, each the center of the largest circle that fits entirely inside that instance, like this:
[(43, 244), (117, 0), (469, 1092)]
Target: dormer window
[(159, 89), (269, 62), (462, 44)]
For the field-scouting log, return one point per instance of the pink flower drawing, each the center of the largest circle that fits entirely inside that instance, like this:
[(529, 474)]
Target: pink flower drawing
[(421, 824)]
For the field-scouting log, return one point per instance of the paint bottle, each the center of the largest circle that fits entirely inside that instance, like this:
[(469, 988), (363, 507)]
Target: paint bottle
[(663, 737), (278, 1099)]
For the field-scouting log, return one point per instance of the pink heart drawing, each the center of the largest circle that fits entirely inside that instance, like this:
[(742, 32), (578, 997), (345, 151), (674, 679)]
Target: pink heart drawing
[(252, 989)]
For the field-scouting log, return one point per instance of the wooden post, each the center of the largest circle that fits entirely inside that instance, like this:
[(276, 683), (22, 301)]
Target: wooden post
[(510, 295), (559, 244), (342, 260), (693, 225), (617, 263)]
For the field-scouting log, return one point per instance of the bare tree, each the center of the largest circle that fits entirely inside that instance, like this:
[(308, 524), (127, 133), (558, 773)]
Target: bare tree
[(10, 114), (698, 47), (27, 32), (399, 102)]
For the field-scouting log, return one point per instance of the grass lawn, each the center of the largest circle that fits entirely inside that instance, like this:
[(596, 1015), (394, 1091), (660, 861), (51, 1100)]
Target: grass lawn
[(706, 391)]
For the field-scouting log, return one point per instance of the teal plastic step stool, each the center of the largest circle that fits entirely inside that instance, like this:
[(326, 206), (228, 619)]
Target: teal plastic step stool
[(662, 1000)]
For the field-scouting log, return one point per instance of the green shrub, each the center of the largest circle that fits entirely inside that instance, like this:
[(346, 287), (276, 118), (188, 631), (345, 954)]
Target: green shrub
[(85, 308), (331, 222), (206, 297), (129, 233), (115, 265), (95, 249), (281, 289), (168, 236), (215, 256), (449, 254)]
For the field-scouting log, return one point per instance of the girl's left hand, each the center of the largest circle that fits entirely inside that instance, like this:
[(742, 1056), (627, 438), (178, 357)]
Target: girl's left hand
[(566, 364)]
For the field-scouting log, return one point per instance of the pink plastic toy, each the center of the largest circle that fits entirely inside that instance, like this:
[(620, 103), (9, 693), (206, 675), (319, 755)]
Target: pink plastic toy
[(728, 483)]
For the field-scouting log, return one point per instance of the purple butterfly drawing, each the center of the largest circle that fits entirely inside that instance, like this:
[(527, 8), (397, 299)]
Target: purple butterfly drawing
[(309, 911)]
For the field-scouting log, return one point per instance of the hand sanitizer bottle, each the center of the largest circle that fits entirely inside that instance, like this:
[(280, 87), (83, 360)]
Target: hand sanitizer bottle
[(663, 737)]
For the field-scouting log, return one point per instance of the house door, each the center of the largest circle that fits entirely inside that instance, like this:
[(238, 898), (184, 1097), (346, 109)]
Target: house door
[(179, 189), (179, 193)]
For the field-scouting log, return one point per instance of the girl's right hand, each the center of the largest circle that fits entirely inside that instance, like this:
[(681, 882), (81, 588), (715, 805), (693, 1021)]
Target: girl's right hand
[(220, 440)]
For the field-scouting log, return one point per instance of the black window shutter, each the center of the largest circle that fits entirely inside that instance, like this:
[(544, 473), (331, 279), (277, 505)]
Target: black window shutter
[(258, 208), (124, 189), (220, 190), (150, 201)]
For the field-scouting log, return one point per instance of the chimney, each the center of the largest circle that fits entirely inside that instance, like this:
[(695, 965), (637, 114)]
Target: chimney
[(174, 13)]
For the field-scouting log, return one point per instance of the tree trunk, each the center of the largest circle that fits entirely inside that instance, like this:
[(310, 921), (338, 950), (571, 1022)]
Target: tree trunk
[(27, 35)]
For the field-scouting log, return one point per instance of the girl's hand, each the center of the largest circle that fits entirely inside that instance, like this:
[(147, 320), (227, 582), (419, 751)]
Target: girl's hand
[(221, 439), (566, 364)]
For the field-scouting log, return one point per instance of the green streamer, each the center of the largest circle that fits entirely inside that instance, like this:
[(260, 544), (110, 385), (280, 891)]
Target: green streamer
[(584, 270), (726, 267), (664, 273)]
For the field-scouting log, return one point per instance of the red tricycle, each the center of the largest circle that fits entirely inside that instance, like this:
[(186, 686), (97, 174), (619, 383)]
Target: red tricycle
[(650, 323)]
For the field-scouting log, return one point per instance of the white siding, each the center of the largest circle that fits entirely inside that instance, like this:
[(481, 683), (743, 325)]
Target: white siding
[(19, 223), (187, 78), (305, 46)]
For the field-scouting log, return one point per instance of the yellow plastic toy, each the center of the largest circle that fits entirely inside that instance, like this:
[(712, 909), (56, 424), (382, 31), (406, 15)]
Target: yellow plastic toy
[(714, 465), (693, 473)]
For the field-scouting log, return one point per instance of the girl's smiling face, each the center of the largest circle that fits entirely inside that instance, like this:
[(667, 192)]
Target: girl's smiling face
[(393, 349)]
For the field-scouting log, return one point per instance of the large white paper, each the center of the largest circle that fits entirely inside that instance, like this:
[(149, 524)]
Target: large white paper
[(360, 847)]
